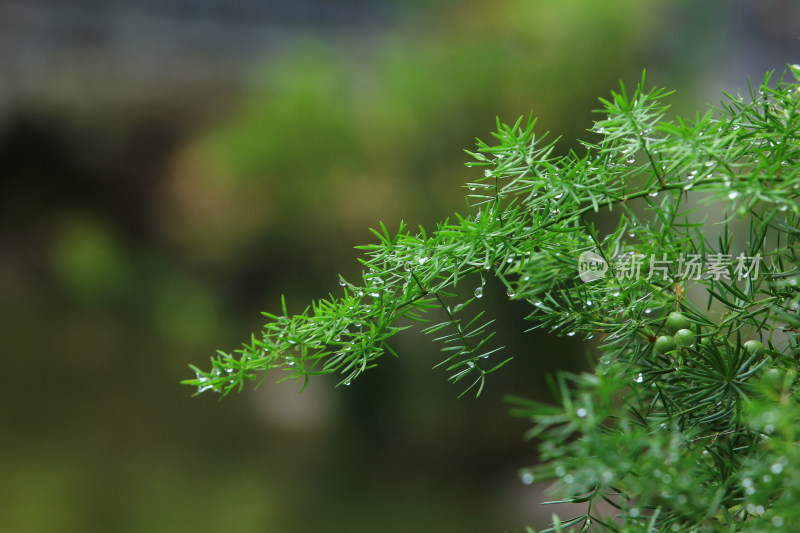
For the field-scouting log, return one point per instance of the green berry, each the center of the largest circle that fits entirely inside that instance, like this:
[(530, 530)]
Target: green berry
[(665, 344), (684, 337), (676, 321), (754, 347), (773, 379)]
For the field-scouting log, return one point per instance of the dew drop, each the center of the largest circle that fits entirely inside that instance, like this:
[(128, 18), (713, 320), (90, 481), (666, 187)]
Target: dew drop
[(488, 173), (510, 292), (571, 334), (203, 384), (527, 478), (653, 194), (639, 378), (581, 412), (733, 195), (479, 292)]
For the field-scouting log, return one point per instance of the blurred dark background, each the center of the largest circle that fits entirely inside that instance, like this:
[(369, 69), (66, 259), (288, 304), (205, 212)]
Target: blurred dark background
[(168, 169)]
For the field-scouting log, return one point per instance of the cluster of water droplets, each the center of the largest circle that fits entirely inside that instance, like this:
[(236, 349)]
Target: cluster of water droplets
[(630, 155), (750, 487), (204, 383)]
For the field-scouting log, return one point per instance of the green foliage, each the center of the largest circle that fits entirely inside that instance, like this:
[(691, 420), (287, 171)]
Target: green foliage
[(695, 433)]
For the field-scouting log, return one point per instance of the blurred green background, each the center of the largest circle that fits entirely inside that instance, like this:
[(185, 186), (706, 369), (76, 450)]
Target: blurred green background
[(169, 169)]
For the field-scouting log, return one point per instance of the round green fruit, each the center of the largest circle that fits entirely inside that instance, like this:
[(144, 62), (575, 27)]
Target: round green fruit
[(754, 347), (676, 321), (665, 344), (773, 378), (684, 337)]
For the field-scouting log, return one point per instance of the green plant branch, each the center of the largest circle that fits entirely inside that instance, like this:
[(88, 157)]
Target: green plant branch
[(700, 402)]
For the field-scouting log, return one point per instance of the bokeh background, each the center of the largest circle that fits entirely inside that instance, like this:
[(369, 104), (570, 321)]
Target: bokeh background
[(169, 169)]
